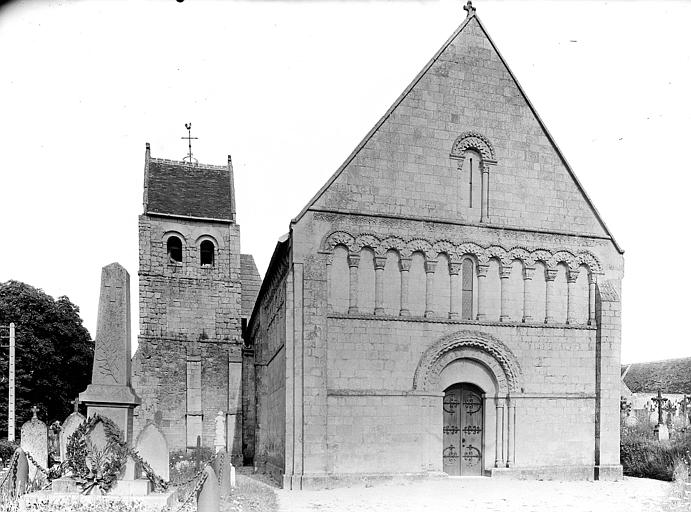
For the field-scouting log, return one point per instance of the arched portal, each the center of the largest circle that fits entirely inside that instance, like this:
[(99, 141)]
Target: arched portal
[(476, 373)]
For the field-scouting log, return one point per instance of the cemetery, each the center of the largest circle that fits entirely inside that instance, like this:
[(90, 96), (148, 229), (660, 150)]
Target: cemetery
[(93, 460)]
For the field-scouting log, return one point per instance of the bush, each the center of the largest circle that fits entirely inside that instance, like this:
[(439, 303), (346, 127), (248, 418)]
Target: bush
[(7, 449), (644, 456)]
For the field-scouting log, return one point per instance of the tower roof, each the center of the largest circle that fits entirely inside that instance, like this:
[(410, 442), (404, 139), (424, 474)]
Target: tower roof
[(178, 188)]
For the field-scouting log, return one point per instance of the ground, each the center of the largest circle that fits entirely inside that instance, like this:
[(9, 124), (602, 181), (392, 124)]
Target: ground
[(481, 494)]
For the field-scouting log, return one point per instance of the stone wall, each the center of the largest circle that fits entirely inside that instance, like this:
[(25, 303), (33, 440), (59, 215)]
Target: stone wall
[(190, 317), (268, 334)]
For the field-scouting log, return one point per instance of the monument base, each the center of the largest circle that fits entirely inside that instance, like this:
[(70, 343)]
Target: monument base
[(138, 487), (67, 501), (661, 432)]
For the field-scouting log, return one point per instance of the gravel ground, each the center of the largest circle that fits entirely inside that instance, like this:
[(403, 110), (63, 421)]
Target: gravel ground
[(485, 494)]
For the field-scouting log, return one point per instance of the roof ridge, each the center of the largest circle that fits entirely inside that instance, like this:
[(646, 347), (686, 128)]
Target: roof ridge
[(383, 119), (551, 139), (187, 164)]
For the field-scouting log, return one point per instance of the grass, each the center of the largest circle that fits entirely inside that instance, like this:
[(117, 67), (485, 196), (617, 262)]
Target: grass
[(644, 456)]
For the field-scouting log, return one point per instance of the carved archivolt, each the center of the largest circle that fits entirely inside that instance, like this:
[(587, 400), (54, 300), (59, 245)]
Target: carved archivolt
[(457, 251), (473, 140), (474, 345)]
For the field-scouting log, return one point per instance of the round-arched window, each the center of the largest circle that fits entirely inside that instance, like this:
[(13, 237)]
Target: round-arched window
[(206, 253), (174, 248)]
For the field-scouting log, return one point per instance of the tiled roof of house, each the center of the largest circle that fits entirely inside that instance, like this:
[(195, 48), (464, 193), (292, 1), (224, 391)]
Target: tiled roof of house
[(670, 376), (251, 282), (176, 188)]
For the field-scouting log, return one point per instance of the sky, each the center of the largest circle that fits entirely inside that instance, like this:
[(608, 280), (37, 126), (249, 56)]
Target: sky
[(290, 88)]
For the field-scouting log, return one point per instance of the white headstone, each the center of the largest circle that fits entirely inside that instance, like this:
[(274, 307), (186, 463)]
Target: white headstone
[(220, 437), (72, 423), (34, 441), (152, 447)]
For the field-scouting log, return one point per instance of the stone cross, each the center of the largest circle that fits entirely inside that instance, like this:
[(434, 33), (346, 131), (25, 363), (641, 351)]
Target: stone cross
[(75, 403), (34, 409), (469, 8), (659, 401)]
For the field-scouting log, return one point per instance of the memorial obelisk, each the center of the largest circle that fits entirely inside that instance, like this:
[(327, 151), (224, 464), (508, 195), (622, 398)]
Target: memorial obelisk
[(110, 392)]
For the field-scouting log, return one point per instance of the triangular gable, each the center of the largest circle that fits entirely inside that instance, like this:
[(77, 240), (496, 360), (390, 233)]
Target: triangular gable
[(594, 225)]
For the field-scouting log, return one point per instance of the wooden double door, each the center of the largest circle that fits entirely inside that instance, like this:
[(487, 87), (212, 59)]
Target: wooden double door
[(463, 430)]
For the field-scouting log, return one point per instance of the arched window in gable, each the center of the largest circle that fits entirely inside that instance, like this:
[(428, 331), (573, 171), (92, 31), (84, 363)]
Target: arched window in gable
[(474, 155), (174, 249), (206, 253)]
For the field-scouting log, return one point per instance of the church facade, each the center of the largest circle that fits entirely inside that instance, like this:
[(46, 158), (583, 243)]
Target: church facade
[(448, 302)]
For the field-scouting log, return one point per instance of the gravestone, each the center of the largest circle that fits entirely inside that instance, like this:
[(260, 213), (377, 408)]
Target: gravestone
[(220, 433), (72, 423), (35, 441), (152, 447), (19, 479), (110, 392), (54, 443), (209, 497)]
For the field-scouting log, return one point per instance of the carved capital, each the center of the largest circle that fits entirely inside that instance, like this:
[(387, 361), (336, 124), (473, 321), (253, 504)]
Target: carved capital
[(482, 269), (404, 264), (379, 262), (354, 260), (572, 275), (329, 258), (430, 266), (455, 268), (550, 274), (505, 271), (528, 273), (592, 278)]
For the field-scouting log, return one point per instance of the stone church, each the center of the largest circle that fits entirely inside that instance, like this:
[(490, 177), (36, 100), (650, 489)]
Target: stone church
[(448, 302)]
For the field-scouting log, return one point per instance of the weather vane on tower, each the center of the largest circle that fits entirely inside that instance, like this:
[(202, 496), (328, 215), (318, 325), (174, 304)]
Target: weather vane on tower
[(189, 158)]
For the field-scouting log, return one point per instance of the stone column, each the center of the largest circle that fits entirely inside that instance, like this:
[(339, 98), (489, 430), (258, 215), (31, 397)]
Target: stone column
[(571, 277), (353, 265), (329, 261), (484, 206), (454, 272), (481, 291), (404, 264), (511, 451), (550, 275), (499, 448), (430, 266), (504, 275), (528, 274), (592, 281), (379, 263)]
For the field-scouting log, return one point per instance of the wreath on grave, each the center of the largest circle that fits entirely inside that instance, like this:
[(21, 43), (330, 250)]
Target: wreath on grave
[(92, 467)]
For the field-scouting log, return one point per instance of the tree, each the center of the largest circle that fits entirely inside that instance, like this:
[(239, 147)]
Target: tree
[(54, 353)]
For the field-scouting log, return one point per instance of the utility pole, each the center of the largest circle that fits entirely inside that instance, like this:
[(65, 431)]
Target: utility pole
[(11, 383)]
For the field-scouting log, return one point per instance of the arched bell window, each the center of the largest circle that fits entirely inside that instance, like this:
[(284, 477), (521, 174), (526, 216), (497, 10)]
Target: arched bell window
[(174, 249), (206, 253)]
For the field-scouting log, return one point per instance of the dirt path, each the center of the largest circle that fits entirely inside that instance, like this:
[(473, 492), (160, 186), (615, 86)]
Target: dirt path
[(484, 494)]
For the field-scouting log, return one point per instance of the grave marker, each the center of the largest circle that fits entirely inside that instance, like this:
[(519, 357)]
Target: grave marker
[(153, 448), (72, 423), (35, 441)]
